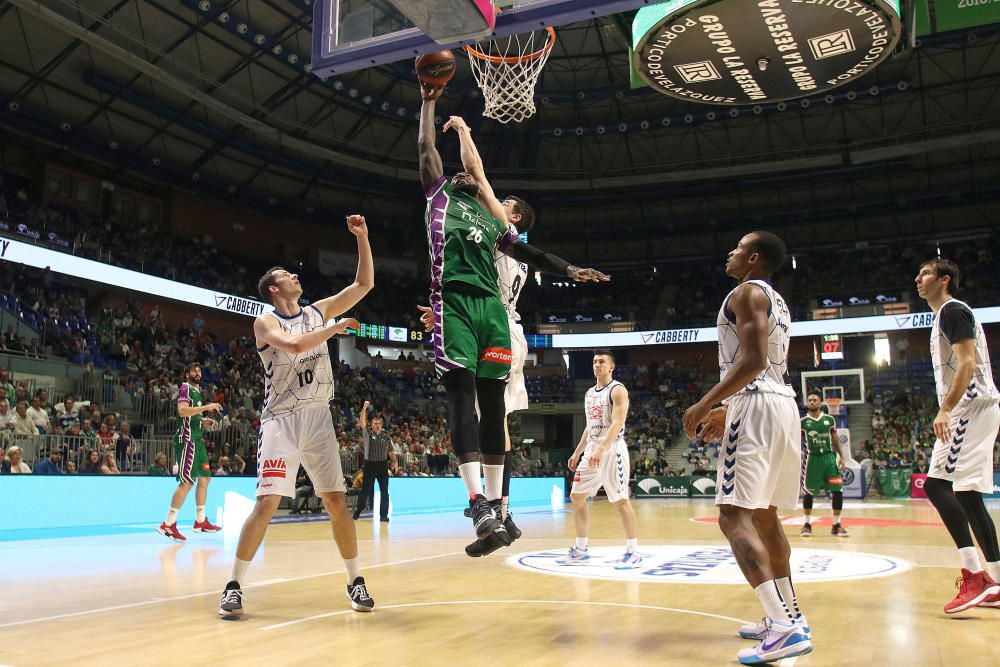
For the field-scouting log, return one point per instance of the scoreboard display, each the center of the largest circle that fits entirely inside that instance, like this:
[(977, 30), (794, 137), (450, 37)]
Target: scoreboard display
[(832, 349), (391, 334)]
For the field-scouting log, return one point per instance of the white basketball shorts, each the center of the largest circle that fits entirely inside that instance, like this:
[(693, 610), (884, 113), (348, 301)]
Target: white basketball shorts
[(304, 436), (760, 457), (612, 473), (967, 460), (516, 394)]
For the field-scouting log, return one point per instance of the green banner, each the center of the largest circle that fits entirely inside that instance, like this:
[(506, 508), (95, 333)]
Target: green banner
[(894, 482), (675, 487), (662, 487), (702, 487), (955, 14)]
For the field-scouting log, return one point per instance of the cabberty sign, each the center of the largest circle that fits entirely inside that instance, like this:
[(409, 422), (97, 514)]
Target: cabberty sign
[(30, 254), (739, 52)]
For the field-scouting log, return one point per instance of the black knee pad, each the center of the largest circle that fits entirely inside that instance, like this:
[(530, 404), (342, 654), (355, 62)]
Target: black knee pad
[(491, 416), (838, 501), (460, 387), (807, 502)]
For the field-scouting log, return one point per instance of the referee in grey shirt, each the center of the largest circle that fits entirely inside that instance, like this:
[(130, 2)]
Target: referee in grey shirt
[(378, 452)]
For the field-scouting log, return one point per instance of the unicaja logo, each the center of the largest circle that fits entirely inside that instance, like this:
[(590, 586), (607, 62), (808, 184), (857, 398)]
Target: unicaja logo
[(704, 484), (649, 484)]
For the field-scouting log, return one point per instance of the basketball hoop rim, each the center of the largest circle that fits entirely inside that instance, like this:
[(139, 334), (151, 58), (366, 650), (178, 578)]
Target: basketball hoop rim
[(510, 60)]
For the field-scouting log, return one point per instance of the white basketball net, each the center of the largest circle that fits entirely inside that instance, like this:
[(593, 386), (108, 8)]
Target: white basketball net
[(507, 70)]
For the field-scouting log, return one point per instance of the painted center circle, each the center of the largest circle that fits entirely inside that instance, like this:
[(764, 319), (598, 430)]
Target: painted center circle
[(707, 564)]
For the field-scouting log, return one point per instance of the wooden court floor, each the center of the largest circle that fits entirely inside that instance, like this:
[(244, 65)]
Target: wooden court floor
[(136, 600)]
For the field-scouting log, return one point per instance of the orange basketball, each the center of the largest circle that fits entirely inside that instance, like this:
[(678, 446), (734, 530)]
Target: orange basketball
[(436, 68)]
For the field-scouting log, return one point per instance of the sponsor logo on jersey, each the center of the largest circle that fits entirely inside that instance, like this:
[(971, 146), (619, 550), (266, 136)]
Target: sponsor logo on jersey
[(595, 412), (497, 355), (273, 468), (700, 564)]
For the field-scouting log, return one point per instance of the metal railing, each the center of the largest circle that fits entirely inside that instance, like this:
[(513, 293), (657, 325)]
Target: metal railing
[(133, 456)]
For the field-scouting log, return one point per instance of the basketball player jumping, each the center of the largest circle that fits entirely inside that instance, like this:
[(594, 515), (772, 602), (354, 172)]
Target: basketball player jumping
[(512, 274), (472, 350), (961, 469), (823, 465), (758, 425), (191, 455), (601, 459), (295, 419)]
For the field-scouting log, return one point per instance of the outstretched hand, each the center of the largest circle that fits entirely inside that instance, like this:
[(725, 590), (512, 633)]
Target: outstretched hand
[(427, 319), (429, 93), (356, 225), (342, 326), (587, 275), (456, 123)]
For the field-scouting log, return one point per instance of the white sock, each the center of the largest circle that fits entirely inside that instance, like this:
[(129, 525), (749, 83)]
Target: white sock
[(504, 508), (787, 592), (970, 559), (172, 516), (470, 473), (632, 544), (494, 481), (808, 518), (993, 569), (836, 518), (774, 607), (581, 542), (239, 570), (201, 513), (353, 569)]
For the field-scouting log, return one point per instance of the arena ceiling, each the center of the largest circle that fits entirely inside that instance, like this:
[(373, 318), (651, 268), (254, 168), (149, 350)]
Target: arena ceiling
[(172, 92)]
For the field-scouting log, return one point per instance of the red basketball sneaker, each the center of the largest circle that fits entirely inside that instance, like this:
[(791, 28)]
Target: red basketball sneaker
[(972, 589), (171, 532), (205, 527), (991, 601)]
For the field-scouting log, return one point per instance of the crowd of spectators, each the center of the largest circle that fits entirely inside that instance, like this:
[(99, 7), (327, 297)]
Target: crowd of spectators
[(692, 288), (902, 430)]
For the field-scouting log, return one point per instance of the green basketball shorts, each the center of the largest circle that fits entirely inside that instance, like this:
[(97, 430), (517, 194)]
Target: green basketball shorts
[(822, 474), (471, 331)]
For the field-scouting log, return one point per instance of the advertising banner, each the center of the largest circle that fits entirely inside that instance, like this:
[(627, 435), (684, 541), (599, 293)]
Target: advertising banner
[(894, 482), (917, 480)]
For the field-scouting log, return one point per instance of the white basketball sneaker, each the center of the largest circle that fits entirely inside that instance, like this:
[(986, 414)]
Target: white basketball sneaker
[(630, 561), (780, 641), (758, 630), (574, 556)]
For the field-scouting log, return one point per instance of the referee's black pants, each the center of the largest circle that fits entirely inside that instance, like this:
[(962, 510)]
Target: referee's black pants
[(374, 470)]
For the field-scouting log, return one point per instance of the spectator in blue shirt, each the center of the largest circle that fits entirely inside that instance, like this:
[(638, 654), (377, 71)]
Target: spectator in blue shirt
[(51, 465)]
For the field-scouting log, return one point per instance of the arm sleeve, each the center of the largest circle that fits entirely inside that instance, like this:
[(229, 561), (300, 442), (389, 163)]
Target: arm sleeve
[(535, 258), (957, 323)]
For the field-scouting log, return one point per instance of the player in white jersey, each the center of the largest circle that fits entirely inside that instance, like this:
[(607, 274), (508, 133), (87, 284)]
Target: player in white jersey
[(295, 420), (968, 417), (601, 460), (513, 275), (760, 459)]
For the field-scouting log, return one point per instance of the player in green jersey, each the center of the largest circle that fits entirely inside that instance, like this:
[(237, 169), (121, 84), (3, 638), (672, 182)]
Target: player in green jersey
[(819, 432), (466, 225), (192, 458)]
